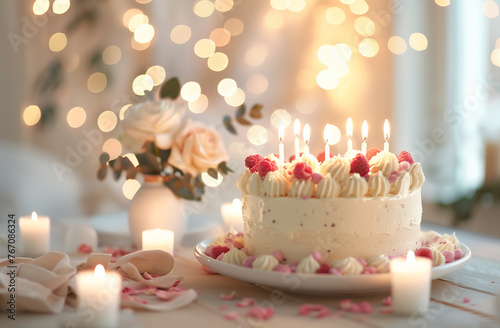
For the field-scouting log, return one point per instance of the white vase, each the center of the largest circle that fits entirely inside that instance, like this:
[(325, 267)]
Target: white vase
[(156, 206)]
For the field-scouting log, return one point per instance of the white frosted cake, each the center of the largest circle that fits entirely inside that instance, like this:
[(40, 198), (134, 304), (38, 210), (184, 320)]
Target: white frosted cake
[(350, 206)]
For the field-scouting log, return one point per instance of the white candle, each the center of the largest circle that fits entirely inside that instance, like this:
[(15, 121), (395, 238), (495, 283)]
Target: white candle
[(364, 134), (281, 135), (231, 213), (387, 134), (35, 234), (296, 132), (161, 239), (349, 134), (326, 135), (307, 136), (410, 284), (99, 295)]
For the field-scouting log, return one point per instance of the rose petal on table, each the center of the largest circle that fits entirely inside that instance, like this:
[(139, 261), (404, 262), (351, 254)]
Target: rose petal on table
[(386, 311), (84, 248), (387, 301), (229, 297), (232, 315), (366, 307), (245, 302), (146, 275), (223, 307), (466, 300), (262, 313), (345, 304), (167, 295)]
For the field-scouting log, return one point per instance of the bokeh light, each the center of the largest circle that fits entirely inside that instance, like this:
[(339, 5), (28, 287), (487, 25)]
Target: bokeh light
[(137, 20), (97, 82), (141, 84), (144, 33), (58, 42), (224, 5), (280, 117), (257, 135), (32, 115), (256, 55), (325, 54), (327, 80), (234, 25), (59, 7), (40, 7), (76, 117), (296, 5), (107, 121), (127, 16), (130, 187), (397, 45), (121, 114), (204, 48), (335, 15), (139, 46), (359, 7), (227, 87), (418, 41), (340, 69), (199, 105), (218, 62), (111, 55), (341, 52), (273, 20), (335, 135), (203, 8), (442, 3), (237, 150), (257, 84), (279, 4), (113, 147), (368, 47), (180, 34), (490, 9), (220, 37), (143, 2), (132, 158), (364, 26), (157, 73), (347, 2), (190, 91), (237, 99), (211, 182), (495, 57)]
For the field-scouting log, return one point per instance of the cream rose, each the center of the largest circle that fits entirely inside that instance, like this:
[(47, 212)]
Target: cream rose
[(152, 120), (197, 148)]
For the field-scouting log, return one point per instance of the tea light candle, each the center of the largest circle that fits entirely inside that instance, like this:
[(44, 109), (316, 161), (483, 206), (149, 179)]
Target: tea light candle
[(411, 284), (326, 135), (296, 132), (231, 213), (99, 295), (307, 136), (281, 135), (35, 234), (387, 134), (364, 134), (161, 239), (349, 134)]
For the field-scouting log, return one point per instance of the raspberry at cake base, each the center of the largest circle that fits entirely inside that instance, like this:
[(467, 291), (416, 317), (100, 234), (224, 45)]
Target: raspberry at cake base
[(346, 206)]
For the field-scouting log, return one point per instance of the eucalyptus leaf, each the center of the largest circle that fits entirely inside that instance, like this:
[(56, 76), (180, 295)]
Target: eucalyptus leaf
[(104, 158), (101, 173), (228, 124), (213, 173), (148, 163), (171, 89), (240, 112), (223, 168), (256, 111)]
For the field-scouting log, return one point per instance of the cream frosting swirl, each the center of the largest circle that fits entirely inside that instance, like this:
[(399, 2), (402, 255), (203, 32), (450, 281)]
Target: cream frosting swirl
[(265, 262), (308, 265), (234, 256), (385, 161), (452, 239), (254, 185), (378, 186), (444, 245), (348, 266), (301, 188), (417, 176), (402, 184), (437, 257), (338, 167), (379, 262), (275, 184), (327, 187), (430, 236), (243, 181), (355, 186)]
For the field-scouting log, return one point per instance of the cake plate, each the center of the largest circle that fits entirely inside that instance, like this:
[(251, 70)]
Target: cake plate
[(317, 284)]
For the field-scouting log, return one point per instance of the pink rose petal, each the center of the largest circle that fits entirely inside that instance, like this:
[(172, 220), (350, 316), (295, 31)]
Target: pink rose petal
[(387, 301), (262, 313), (386, 311), (345, 304), (229, 297), (278, 255), (84, 248), (366, 307), (247, 263), (165, 295), (232, 315), (466, 300), (245, 302)]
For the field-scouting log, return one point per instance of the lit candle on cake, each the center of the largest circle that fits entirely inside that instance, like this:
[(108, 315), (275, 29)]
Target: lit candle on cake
[(161, 239), (327, 136), (231, 213), (281, 135), (364, 134), (349, 134), (296, 132), (387, 134), (307, 136), (410, 284), (35, 234), (99, 293)]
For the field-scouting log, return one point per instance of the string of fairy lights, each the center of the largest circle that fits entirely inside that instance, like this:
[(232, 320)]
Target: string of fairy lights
[(333, 59)]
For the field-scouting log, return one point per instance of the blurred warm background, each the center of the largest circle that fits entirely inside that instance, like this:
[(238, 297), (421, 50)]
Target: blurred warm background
[(71, 68)]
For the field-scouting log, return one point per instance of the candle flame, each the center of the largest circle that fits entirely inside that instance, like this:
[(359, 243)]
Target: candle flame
[(348, 127), (237, 203), (296, 127), (364, 130), (307, 133), (326, 134), (99, 271), (34, 217), (281, 132), (387, 130), (410, 258), (157, 230)]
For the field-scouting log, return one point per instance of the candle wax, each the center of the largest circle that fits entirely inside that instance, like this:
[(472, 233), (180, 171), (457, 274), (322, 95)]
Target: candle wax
[(35, 235), (161, 239)]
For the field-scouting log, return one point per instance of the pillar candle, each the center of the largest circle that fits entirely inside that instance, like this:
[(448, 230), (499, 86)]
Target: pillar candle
[(35, 234), (161, 239), (231, 213)]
